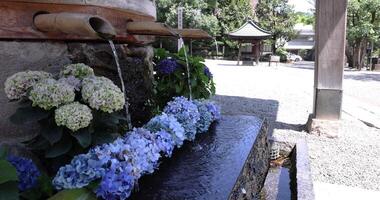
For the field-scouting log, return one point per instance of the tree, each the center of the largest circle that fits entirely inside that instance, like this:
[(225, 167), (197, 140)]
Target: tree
[(363, 28), (278, 17)]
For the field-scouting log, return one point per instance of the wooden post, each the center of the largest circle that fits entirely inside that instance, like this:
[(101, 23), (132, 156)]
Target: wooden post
[(329, 65), (330, 54)]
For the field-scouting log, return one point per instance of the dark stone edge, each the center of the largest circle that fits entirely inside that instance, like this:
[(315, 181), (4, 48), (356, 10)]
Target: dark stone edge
[(252, 176)]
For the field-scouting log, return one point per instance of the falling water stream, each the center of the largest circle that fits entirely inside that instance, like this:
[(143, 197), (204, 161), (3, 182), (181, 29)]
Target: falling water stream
[(217, 48), (126, 105), (187, 68)]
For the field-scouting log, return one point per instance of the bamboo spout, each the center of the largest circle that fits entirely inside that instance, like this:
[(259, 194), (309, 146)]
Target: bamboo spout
[(75, 23)]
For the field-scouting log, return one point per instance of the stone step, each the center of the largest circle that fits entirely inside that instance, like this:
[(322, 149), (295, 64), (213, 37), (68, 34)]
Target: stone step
[(229, 162)]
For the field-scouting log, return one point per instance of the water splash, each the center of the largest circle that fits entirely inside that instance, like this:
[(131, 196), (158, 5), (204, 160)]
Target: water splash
[(126, 105), (187, 68), (217, 48)]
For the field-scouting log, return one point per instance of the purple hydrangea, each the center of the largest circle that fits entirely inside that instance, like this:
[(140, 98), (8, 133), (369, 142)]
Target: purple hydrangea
[(186, 113), (207, 72), (117, 183), (27, 172), (169, 124), (167, 66)]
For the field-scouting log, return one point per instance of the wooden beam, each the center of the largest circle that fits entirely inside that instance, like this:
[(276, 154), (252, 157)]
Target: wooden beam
[(330, 54)]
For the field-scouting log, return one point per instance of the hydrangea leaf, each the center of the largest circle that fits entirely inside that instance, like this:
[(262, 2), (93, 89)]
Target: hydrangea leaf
[(28, 114), (83, 137), (77, 194), (9, 191), (8, 172), (59, 148), (52, 133)]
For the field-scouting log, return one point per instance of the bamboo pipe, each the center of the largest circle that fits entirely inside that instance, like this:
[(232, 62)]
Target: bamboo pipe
[(75, 23)]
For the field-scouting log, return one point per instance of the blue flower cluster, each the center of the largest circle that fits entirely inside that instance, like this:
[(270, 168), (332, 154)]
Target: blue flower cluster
[(167, 66), (186, 113), (121, 163), (207, 72), (27, 172)]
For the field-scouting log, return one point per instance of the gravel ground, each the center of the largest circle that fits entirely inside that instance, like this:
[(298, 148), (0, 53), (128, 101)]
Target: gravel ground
[(284, 95)]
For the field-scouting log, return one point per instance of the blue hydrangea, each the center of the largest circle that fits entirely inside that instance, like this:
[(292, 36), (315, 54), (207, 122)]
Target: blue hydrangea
[(167, 66), (207, 72), (144, 153), (206, 117), (167, 123), (214, 109), (83, 169), (27, 172), (117, 183), (186, 113), (165, 143)]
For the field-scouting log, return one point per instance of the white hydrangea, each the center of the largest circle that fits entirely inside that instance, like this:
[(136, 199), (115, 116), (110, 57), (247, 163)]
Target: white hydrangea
[(50, 93), (78, 70), (72, 81), (17, 85), (102, 94), (74, 116)]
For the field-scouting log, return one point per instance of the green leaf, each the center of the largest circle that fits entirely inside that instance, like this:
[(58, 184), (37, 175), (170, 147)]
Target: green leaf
[(52, 133), (60, 148), (83, 137), (3, 153), (46, 186), (75, 194), (28, 114), (9, 191), (7, 172)]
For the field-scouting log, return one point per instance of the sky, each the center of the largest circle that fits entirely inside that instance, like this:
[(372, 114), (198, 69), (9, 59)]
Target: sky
[(301, 5)]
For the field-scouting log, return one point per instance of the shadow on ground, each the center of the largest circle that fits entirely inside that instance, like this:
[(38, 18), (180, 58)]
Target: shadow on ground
[(262, 108), (363, 77)]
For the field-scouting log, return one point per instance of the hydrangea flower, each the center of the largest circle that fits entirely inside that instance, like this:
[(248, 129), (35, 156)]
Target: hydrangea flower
[(207, 72), (165, 143), (27, 172), (83, 169), (214, 109), (50, 93), (167, 123), (72, 81), (144, 153), (17, 85), (206, 117), (167, 66), (102, 94), (186, 113), (74, 116), (117, 183), (78, 70)]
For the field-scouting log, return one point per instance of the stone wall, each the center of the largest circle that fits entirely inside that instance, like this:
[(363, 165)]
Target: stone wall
[(136, 64)]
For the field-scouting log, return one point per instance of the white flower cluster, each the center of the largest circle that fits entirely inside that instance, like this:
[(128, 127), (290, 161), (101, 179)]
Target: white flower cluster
[(78, 70), (74, 116), (102, 94), (17, 85), (50, 93)]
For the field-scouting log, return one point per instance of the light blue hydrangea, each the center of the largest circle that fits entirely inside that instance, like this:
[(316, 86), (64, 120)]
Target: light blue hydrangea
[(168, 123), (83, 169), (186, 113), (144, 152), (214, 109), (206, 117)]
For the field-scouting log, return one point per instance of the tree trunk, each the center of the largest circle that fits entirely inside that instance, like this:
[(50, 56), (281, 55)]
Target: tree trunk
[(274, 48)]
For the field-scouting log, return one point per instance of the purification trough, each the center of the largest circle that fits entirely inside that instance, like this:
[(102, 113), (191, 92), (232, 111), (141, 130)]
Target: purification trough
[(229, 162)]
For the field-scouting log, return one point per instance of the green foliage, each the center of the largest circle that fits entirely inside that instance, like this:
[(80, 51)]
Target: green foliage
[(175, 84), (282, 53), (74, 194), (305, 18), (278, 17), (8, 178)]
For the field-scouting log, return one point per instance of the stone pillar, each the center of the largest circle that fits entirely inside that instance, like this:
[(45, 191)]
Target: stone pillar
[(328, 75)]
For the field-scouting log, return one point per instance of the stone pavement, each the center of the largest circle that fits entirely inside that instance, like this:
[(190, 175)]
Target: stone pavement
[(284, 95)]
